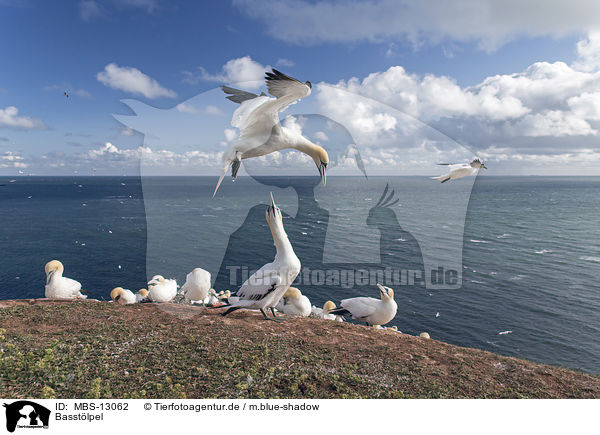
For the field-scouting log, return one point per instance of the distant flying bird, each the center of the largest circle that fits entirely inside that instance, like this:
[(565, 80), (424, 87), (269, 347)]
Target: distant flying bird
[(59, 287), (261, 132), (267, 285), (370, 310), (460, 170), (66, 94)]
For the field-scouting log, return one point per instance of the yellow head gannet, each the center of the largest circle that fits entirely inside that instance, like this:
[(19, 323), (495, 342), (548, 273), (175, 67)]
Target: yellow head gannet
[(162, 290), (197, 285), (122, 296), (294, 303), (370, 310), (260, 130), (266, 286), (141, 295), (59, 287), (212, 298), (460, 170), (327, 308), (424, 335)]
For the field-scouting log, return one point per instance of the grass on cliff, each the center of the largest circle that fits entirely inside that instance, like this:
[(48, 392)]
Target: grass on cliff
[(88, 349)]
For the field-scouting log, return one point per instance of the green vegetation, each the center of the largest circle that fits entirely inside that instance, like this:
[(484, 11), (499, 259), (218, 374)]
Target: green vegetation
[(100, 350)]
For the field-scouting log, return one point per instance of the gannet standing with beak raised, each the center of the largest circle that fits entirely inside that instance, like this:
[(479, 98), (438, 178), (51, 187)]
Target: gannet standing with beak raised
[(370, 310), (266, 286), (260, 130), (460, 170), (58, 286)]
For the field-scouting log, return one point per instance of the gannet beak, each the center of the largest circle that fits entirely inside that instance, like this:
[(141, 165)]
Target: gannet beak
[(273, 205), (483, 166), (50, 273), (322, 169), (382, 290)]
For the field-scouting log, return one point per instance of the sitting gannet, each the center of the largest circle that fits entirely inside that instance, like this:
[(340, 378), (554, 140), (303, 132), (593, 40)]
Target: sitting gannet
[(162, 290), (197, 285), (59, 287), (324, 313), (460, 170), (424, 335), (264, 288), (294, 303), (370, 310), (260, 130), (122, 296), (141, 295), (211, 299)]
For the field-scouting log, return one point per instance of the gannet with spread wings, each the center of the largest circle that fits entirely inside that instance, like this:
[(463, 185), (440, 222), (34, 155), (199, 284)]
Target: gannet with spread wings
[(261, 133)]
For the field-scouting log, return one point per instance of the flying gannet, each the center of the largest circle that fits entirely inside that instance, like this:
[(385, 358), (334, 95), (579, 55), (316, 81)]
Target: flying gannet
[(370, 310), (162, 290), (58, 286), (123, 296), (197, 285), (264, 288), (261, 132), (460, 170), (294, 303)]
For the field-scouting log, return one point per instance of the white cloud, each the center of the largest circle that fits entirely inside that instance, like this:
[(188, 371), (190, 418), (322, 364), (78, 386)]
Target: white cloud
[(321, 135), (127, 131), (89, 9), (132, 80), (588, 51), (553, 123), (9, 117), (186, 108), (9, 159), (208, 110), (239, 70), (285, 62), (230, 134), (488, 22), (213, 110)]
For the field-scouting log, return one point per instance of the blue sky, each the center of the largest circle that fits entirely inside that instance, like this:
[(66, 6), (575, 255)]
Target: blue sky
[(467, 71)]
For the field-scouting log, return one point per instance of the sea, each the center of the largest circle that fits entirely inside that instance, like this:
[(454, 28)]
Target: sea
[(506, 264)]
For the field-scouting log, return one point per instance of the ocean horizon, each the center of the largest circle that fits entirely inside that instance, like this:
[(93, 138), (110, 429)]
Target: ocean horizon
[(526, 259)]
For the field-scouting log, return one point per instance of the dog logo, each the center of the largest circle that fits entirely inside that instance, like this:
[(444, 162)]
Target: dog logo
[(26, 414)]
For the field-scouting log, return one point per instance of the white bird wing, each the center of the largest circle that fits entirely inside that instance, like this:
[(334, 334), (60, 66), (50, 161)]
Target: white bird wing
[(263, 282), (360, 307), (461, 171), (70, 284)]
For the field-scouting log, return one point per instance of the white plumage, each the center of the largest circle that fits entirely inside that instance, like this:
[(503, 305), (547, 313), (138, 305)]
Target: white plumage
[(294, 303), (197, 285), (370, 310), (162, 290), (141, 295), (58, 286), (123, 296), (261, 133), (460, 170), (266, 286)]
